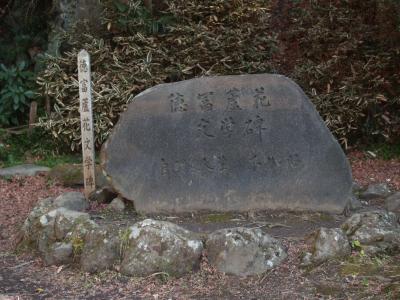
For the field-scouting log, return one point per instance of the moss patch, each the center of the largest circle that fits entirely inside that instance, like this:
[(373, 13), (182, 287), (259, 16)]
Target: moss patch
[(217, 218)]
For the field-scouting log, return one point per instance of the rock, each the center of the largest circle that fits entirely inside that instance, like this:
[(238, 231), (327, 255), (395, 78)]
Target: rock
[(66, 220), (103, 195), (356, 188), (102, 249), (57, 224), (158, 246), (376, 231), (328, 244), (32, 224), (72, 175), (243, 251), (229, 143), (72, 201), (393, 203), (353, 204), (23, 170), (375, 191), (117, 204), (58, 254)]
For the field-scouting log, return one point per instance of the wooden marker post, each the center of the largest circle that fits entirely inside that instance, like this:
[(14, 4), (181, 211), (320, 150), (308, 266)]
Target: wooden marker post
[(85, 97)]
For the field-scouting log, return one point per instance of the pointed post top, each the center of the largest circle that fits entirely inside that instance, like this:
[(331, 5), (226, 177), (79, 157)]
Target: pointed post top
[(83, 53)]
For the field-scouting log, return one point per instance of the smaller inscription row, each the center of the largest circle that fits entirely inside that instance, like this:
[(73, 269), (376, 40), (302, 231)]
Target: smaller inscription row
[(219, 164)]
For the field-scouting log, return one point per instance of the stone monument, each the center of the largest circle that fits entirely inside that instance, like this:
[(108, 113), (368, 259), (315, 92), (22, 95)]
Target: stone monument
[(229, 143)]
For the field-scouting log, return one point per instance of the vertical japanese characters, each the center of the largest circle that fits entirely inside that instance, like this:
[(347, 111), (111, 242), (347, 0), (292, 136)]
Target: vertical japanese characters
[(85, 97)]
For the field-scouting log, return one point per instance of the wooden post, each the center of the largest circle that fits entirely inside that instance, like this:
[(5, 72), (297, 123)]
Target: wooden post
[(85, 97), (32, 116)]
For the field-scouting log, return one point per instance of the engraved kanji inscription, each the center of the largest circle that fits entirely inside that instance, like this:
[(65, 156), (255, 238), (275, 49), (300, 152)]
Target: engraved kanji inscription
[(227, 126), (205, 128), (261, 101), (178, 103), (85, 105), (216, 163), (86, 124), (84, 86), (88, 161), (83, 67), (164, 168), (89, 181), (255, 126), (205, 101), (233, 96), (86, 144)]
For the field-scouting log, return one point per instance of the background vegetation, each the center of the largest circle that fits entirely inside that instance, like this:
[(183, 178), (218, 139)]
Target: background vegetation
[(344, 54)]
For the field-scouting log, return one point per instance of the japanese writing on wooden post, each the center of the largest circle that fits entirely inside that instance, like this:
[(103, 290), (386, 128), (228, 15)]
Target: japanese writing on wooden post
[(85, 96)]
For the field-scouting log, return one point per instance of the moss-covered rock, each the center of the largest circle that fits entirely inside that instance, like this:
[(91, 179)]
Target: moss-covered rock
[(159, 246), (374, 231), (102, 249), (72, 175), (244, 251)]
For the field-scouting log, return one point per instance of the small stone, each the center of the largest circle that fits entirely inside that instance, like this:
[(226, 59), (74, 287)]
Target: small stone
[(102, 249), (58, 254), (103, 195), (158, 246), (244, 251), (354, 203), (72, 201), (376, 231), (375, 191), (23, 170), (117, 204), (356, 188), (393, 203), (328, 243)]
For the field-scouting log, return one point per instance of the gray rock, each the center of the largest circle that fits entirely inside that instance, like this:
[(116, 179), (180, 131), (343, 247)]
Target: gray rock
[(103, 195), (102, 249), (393, 203), (328, 244), (376, 231), (353, 203), (229, 143), (243, 251), (117, 204), (157, 246), (58, 254), (23, 170), (375, 191), (66, 220), (72, 175), (72, 201), (57, 224), (32, 225), (356, 188)]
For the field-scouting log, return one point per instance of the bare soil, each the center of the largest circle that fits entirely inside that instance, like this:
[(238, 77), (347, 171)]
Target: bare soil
[(24, 276)]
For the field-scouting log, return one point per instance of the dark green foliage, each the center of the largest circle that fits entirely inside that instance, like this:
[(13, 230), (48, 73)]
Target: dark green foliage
[(35, 147), (16, 90), (133, 17), (23, 35)]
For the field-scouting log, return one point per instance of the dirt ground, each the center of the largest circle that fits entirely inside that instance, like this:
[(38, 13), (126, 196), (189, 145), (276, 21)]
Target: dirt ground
[(23, 275)]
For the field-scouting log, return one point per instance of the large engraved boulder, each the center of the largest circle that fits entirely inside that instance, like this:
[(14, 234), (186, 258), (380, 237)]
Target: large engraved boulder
[(227, 143)]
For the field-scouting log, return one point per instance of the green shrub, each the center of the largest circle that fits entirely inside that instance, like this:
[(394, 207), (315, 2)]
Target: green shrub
[(16, 91)]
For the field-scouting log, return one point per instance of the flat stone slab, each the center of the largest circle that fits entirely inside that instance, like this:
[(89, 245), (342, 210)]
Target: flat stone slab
[(23, 170), (229, 143)]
